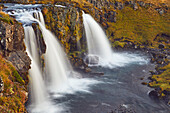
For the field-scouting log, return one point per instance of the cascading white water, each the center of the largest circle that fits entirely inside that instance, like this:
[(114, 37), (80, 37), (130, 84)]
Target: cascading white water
[(38, 89), (97, 41), (39, 96), (31, 44), (57, 65), (99, 48), (41, 18)]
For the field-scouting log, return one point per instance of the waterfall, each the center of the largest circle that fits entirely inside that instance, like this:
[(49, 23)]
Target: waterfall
[(39, 96), (38, 90), (57, 65), (60, 76), (97, 42), (31, 44), (41, 18)]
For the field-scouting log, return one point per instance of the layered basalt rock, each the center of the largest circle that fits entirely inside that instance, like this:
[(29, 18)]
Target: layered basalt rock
[(12, 46)]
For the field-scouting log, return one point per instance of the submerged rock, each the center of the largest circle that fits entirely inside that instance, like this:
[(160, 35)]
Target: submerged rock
[(91, 59), (154, 94)]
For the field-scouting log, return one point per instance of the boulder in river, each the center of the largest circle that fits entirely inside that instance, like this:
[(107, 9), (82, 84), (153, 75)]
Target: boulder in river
[(92, 59)]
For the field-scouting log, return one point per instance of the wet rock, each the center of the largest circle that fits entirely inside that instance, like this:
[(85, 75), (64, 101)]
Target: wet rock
[(91, 59), (124, 109), (21, 61), (87, 70), (97, 73), (144, 83), (154, 94), (40, 42)]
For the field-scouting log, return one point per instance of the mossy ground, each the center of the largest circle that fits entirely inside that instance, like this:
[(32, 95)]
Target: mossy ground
[(14, 94), (6, 18), (141, 26), (162, 80)]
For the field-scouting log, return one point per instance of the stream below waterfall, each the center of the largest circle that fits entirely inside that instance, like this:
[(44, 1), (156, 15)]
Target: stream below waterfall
[(118, 89)]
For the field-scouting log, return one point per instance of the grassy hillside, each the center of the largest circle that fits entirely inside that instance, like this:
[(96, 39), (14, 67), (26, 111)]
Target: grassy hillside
[(14, 95), (141, 26)]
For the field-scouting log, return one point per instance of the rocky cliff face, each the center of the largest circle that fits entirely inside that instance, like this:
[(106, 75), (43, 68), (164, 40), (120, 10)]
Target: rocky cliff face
[(14, 66), (66, 23), (12, 46)]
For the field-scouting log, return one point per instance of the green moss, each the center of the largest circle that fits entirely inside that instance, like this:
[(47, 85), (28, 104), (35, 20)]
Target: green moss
[(141, 26), (6, 18), (17, 77), (118, 44), (13, 98), (162, 80)]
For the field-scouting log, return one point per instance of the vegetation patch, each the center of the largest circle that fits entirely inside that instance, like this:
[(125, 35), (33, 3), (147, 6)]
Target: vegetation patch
[(13, 95), (141, 26), (162, 80), (6, 18)]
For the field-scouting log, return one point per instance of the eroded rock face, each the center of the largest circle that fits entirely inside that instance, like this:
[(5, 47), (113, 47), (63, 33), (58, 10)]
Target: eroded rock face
[(11, 38), (21, 61), (66, 23), (12, 46)]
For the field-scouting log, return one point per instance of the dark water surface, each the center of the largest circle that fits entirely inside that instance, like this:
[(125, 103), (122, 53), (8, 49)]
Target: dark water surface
[(121, 87)]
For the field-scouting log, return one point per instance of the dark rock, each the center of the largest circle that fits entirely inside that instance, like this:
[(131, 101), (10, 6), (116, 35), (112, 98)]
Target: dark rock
[(12, 46), (97, 73), (87, 70), (154, 94), (119, 5), (127, 3), (40, 41), (135, 6), (21, 61), (161, 46), (112, 16), (144, 83)]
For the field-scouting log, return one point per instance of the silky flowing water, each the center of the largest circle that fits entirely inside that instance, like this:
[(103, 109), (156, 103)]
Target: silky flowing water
[(64, 92)]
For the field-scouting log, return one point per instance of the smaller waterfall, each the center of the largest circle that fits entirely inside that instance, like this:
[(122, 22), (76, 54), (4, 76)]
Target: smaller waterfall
[(57, 65), (39, 96), (97, 42), (41, 18), (31, 44)]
